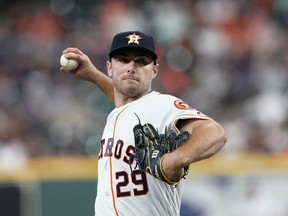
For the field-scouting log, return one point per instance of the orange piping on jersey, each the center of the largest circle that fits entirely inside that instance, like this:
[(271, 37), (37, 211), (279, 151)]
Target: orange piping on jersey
[(194, 116), (110, 160), (111, 185), (187, 117)]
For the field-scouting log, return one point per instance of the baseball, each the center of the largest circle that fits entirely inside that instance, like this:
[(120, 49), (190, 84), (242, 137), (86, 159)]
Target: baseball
[(68, 64)]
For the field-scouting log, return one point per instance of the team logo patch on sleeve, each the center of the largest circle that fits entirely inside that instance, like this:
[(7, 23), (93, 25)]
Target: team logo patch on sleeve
[(182, 105)]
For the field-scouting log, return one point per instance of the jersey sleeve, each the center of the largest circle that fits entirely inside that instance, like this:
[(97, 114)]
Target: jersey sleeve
[(175, 109)]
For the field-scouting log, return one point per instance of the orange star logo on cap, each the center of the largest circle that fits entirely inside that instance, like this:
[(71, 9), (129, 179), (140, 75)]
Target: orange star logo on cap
[(133, 38)]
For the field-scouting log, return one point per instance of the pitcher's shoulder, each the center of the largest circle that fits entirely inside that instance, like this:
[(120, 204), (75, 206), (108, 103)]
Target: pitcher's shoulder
[(160, 96)]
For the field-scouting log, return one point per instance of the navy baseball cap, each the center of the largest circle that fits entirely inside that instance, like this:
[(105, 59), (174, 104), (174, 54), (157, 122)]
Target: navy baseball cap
[(133, 40)]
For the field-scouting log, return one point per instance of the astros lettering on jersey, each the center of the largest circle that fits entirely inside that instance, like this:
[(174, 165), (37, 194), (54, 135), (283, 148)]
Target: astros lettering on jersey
[(125, 192)]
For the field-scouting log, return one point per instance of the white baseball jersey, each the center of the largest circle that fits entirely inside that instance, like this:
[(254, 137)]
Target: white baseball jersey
[(122, 192)]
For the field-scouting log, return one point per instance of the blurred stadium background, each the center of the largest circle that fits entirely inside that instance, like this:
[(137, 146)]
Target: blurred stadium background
[(228, 59)]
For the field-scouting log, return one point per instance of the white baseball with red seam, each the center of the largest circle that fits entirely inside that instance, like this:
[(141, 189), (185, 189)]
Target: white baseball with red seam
[(68, 64)]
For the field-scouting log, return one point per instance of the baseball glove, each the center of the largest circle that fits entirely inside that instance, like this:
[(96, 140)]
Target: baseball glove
[(150, 148)]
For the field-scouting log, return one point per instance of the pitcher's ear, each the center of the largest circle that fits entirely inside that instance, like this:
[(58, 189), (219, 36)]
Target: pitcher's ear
[(155, 70), (109, 68)]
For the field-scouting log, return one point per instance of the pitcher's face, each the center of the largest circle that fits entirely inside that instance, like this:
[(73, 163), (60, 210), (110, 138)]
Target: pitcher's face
[(132, 72)]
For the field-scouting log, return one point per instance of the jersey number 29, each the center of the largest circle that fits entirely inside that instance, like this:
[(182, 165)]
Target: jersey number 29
[(137, 178)]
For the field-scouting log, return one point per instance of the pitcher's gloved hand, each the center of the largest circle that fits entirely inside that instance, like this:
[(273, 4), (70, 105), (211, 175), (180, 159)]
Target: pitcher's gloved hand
[(151, 147)]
